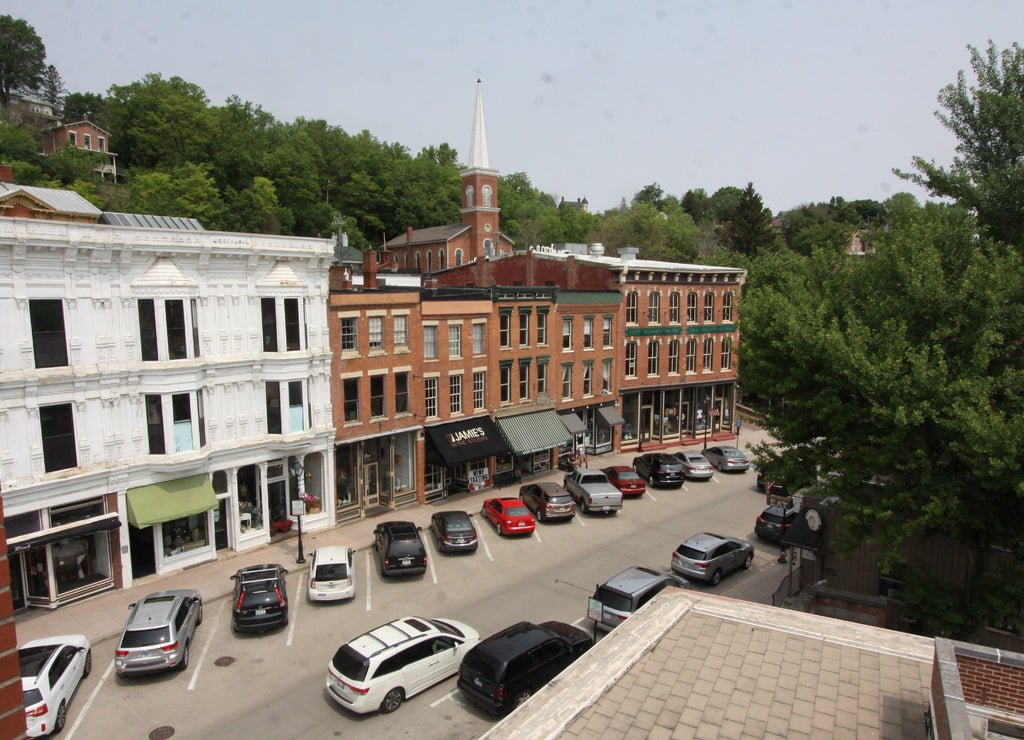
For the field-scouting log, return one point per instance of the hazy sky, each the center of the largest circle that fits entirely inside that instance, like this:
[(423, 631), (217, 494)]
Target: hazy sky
[(805, 98)]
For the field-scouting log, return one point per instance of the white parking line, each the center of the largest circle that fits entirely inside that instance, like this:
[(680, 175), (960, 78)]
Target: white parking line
[(206, 647), (367, 582), (292, 620), (92, 697), (536, 534), (433, 572), (450, 695), (580, 520), (650, 495), (480, 538)]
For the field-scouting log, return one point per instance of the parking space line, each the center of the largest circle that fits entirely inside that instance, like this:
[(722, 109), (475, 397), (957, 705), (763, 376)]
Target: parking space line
[(480, 538), (206, 647), (88, 703), (450, 695), (649, 494), (292, 617), (433, 571), (367, 581), (579, 519), (536, 534)]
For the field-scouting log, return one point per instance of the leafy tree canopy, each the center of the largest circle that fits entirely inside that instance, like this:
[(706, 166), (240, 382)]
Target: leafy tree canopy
[(22, 57)]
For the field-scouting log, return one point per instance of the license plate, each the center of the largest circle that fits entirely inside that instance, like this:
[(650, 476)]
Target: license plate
[(477, 681), (406, 561), (260, 612)]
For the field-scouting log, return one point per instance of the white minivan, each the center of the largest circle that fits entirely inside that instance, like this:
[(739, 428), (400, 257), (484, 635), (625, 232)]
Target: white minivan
[(330, 574)]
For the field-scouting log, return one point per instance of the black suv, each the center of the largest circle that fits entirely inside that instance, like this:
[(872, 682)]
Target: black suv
[(773, 522), (507, 668), (400, 548), (660, 469), (261, 598)]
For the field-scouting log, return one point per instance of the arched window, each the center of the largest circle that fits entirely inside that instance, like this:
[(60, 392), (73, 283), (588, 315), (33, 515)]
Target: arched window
[(441, 259), (458, 257), (417, 262), (488, 248), (486, 192), (469, 197), (430, 262)]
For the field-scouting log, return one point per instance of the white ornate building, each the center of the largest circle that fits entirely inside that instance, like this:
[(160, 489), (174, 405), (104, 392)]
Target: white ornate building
[(158, 383)]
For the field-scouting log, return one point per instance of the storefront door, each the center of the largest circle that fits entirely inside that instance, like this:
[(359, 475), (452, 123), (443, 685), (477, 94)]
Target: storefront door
[(370, 473), (14, 562)]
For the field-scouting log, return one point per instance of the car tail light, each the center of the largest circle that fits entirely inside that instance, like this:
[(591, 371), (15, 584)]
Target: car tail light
[(39, 711), (760, 520), (312, 583), (501, 694), (280, 600), (238, 606), (702, 565), (169, 648), (121, 653)]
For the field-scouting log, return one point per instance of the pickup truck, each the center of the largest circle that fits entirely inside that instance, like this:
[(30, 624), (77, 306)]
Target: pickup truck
[(592, 491)]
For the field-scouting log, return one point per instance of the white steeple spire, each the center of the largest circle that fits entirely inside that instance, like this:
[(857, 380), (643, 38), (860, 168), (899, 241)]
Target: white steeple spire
[(478, 142)]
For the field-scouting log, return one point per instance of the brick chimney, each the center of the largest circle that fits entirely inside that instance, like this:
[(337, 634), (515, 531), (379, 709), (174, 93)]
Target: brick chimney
[(6, 173)]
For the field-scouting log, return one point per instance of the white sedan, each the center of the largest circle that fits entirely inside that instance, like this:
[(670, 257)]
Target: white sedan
[(51, 669)]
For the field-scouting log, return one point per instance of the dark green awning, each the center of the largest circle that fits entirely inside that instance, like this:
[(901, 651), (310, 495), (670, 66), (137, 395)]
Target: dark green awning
[(540, 430), (173, 499)]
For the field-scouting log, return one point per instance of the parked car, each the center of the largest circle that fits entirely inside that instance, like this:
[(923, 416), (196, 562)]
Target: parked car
[(591, 491), (400, 549), (660, 469), (261, 598), (453, 531), (708, 557), (379, 670), (331, 576), (623, 594), (548, 501), (507, 668), (627, 480), (508, 515), (726, 458), (773, 522), (159, 632), (771, 485), (695, 465), (51, 669)]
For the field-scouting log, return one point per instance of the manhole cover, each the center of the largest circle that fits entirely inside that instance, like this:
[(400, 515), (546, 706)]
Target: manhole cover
[(226, 660), (161, 733)]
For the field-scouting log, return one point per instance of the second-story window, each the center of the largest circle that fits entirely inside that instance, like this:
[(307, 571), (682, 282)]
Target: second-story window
[(631, 307), (401, 331), (430, 396), (542, 327), (588, 332), (375, 331), (709, 352), (505, 330), (654, 308), (454, 340), (653, 349), (674, 307), (506, 383), (631, 359), (691, 355), (726, 307), (455, 393), (709, 307), (49, 343), (349, 335), (567, 380), (378, 406), (165, 334), (401, 393), (567, 332), (726, 353), (673, 356), (430, 342), (350, 391), (57, 430), (588, 378), (524, 381), (187, 422), (479, 390), (542, 377), (606, 376), (606, 332)]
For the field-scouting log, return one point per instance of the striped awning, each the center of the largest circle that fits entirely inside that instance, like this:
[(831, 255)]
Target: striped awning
[(533, 432)]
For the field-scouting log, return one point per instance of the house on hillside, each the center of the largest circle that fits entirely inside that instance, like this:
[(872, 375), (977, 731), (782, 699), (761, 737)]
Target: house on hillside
[(83, 136)]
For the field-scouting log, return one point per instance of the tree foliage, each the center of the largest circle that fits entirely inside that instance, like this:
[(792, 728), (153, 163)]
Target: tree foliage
[(987, 118), (905, 370), (22, 57), (751, 228)]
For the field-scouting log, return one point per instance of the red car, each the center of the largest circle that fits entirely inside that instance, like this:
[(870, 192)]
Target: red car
[(508, 515), (626, 480)]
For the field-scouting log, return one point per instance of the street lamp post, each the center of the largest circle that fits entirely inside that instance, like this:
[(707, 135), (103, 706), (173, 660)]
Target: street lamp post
[(299, 473)]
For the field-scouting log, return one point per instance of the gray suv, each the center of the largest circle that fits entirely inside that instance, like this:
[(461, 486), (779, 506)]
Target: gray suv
[(626, 592), (159, 632), (708, 557)]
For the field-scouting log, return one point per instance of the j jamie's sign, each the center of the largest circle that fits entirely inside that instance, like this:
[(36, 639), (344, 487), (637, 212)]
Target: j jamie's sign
[(466, 437)]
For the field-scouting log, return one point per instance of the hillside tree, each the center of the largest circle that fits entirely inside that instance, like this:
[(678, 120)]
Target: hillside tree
[(22, 58)]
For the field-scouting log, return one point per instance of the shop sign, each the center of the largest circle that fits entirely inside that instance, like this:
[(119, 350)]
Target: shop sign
[(467, 437)]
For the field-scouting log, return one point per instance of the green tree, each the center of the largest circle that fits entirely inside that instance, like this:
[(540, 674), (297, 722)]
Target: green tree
[(523, 209), (51, 88), (900, 369), (697, 204), (987, 119), (663, 235), (82, 106), (16, 143), (751, 228), (22, 57), (722, 205), (187, 191)]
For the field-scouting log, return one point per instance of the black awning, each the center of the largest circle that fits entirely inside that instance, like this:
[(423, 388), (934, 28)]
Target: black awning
[(611, 417), (57, 534), (464, 441)]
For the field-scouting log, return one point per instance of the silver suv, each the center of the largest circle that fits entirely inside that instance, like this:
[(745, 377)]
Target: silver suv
[(626, 592), (159, 632), (708, 557)]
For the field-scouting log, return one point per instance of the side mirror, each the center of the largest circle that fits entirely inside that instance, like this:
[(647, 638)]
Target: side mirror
[(132, 605)]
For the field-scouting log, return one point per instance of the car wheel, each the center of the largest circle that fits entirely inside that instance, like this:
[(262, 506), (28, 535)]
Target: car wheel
[(184, 659), (87, 668), (199, 619), (721, 467), (61, 718), (747, 561), (716, 577), (521, 697), (392, 700)]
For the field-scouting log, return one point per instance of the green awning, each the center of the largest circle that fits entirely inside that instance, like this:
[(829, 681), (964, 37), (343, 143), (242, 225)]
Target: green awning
[(540, 430), (173, 499)]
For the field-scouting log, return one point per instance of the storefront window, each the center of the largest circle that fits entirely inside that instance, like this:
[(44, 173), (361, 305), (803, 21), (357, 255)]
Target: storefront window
[(631, 413), (345, 474), (403, 463), (185, 534), (250, 512)]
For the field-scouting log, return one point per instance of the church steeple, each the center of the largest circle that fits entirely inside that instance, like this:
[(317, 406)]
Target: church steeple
[(478, 137)]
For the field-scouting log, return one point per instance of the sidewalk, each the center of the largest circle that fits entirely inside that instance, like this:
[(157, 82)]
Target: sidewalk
[(102, 616)]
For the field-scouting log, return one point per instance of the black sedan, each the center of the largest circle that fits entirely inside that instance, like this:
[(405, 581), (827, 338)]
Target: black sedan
[(261, 598), (453, 531)]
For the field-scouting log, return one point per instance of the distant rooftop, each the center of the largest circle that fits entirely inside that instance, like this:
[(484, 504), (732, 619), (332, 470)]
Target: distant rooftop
[(144, 221)]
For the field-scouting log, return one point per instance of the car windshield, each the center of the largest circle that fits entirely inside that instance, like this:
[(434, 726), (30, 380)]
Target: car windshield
[(350, 664), (614, 599), (516, 511), (34, 658), (331, 572), (145, 638)]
